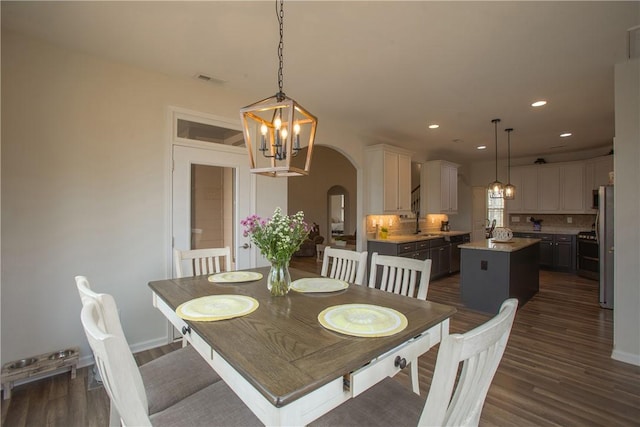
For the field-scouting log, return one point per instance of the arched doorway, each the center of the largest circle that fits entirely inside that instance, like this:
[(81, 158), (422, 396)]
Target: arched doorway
[(330, 169)]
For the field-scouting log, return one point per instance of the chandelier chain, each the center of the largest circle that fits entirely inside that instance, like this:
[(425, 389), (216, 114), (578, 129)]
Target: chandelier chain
[(496, 121), (509, 155), (280, 15)]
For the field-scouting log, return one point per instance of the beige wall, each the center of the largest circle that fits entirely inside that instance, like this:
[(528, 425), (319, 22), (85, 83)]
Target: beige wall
[(86, 189), (309, 193)]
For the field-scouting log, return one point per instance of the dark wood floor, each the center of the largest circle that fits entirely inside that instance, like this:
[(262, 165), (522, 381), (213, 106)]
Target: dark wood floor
[(557, 368)]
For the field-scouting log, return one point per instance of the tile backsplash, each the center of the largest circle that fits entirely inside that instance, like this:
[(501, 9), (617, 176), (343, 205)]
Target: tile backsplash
[(579, 221), (403, 226)]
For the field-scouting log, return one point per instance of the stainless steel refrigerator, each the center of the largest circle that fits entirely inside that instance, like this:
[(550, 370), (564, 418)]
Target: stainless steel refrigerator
[(605, 244)]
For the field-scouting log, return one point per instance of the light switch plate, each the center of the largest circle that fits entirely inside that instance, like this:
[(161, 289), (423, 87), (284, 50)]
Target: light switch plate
[(569, 220)]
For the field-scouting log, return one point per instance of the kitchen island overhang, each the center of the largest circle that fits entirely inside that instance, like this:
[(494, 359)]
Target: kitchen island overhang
[(491, 272)]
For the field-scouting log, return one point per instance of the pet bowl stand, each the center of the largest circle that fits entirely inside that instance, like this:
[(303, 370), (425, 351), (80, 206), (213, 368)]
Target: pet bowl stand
[(36, 365)]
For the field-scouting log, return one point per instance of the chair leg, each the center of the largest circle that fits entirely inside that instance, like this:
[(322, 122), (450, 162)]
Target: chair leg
[(114, 416), (415, 380)]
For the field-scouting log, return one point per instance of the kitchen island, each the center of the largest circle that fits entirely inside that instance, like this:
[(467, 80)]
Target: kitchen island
[(493, 271)]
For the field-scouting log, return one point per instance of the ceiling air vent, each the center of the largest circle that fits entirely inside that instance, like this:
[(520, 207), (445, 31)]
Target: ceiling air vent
[(209, 79)]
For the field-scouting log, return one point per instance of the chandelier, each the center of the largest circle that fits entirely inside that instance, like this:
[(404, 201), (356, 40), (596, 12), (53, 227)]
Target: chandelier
[(277, 129)]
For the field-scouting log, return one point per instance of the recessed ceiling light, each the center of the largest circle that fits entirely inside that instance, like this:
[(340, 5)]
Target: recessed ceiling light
[(539, 103), (434, 126), (566, 134), (481, 147)]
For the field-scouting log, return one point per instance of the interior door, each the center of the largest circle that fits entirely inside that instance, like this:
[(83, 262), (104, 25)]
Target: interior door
[(232, 159)]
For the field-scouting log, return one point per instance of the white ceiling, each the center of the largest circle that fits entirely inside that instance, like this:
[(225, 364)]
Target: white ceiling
[(388, 68)]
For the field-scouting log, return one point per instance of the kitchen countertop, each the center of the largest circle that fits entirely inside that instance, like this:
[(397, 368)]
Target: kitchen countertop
[(513, 245), (404, 238)]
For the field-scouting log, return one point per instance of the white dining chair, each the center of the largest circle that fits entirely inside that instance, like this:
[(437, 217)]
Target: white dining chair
[(449, 403), (168, 378), (399, 275), (215, 404), (346, 265), (202, 261)]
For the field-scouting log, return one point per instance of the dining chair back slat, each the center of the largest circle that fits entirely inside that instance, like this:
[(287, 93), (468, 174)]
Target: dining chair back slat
[(400, 275), (202, 261), (346, 265)]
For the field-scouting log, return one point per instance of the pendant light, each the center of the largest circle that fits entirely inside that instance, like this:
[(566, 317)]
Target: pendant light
[(496, 188), (509, 189), (277, 128)]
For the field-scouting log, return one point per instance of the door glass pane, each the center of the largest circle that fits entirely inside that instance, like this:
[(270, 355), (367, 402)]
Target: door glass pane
[(209, 133), (212, 206)]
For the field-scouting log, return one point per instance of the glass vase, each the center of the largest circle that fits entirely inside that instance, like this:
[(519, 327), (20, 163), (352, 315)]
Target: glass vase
[(279, 280)]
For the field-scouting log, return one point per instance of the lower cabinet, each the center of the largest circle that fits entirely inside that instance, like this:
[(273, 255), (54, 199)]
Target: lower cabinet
[(437, 250), (440, 255), (557, 251)]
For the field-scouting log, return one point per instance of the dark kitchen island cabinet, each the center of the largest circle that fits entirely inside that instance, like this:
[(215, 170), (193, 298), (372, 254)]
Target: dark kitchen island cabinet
[(557, 251), (491, 272)]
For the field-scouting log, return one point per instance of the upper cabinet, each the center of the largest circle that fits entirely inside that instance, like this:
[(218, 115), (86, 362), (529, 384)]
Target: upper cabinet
[(550, 188), (572, 179), (596, 174), (440, 184), (389, 179), (525, 179)]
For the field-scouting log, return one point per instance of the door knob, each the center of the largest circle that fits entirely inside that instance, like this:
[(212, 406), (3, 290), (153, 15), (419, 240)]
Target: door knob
[(245, 246)]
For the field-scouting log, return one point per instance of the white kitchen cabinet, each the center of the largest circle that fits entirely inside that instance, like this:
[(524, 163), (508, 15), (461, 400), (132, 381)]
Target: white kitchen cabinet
[(389, 179), (525, 179), (596, 173), (549, 188), (440, 184), (572, 186)]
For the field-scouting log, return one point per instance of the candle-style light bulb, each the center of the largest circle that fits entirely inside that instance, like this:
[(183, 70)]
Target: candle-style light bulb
[(263, 143), (284, 134), (276, 124), (296, 131)]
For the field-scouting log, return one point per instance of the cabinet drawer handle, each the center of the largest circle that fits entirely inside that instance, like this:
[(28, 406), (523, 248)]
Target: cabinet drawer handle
[(400, 362), (186, 330)]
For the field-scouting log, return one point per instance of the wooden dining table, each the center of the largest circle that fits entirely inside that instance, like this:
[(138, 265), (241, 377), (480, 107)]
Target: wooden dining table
[(279, 359)]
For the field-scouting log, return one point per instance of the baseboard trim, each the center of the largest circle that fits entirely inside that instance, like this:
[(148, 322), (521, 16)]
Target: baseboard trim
[(622, 356)]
